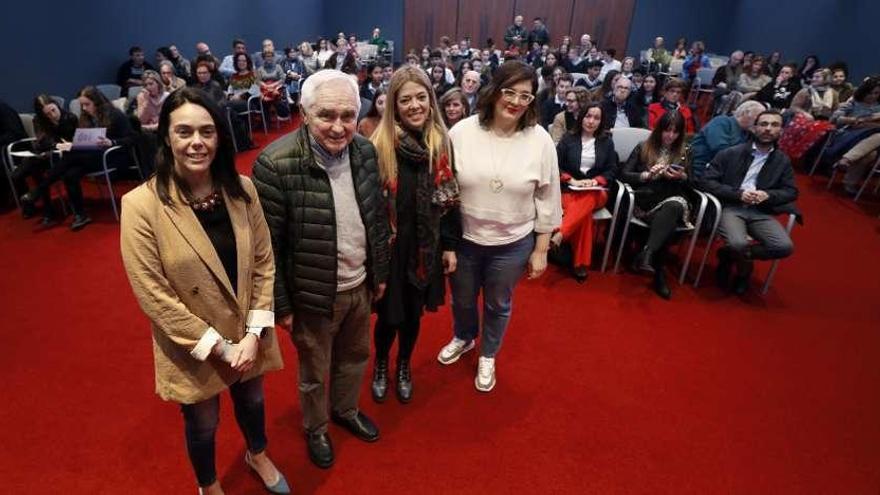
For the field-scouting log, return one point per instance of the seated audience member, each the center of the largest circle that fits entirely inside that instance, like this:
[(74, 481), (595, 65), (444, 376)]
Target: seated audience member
[(438, 80), (607, 89), (129, 73), (181, 65), (627, 66), (861, 139), (609, 63), (425, 58), (202, 49), (309, 59), (748, 56), (722, 132), (779, 92), (345, 62), (727, 76), (170, 81), (695, 61), (273, 92), (839, 73), (215, 91), (806, 70), (387, 72), (52, 126), (325, 51), (228, 66), (672, 91), (753, 78), (620, 110), (774, 63), (295, 71), (97, 111), (584, 45), (657, 56), (551, 106), (571, 60), (592, 82), (818, 99), (377, 39), (11, 130), (680, 50), (243, 84), (565, 121), (373, 81), (463, 67), (586, 160), (454, 106), (162, 54), (811, 107), (638, 77), (658, 171), (206, 83), (371, 120), (539, 33), (649, 93), (470, 86), (212, 65), (753, 181), (149, 101), (267, 45)]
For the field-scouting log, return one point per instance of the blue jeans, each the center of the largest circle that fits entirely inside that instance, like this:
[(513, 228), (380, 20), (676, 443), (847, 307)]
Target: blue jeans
[(201, 420), (495, 270)]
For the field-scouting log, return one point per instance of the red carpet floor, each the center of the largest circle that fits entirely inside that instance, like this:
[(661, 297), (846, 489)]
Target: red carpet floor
[(602, 388)]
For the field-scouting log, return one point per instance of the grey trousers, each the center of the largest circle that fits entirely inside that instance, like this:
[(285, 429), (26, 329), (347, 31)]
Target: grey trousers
[(338, 346), (738, 223)]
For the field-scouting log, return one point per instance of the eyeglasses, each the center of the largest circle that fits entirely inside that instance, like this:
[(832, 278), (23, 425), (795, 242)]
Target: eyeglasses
[(512, 96)]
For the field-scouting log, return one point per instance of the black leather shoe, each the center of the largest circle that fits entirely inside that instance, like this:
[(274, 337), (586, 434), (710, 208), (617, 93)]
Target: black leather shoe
[(320, 449), (660, 286), (360, 426), (580, 274), (28, 208), (722, 272), (644, 261), (380, 380), (404, 382), (744, 275)]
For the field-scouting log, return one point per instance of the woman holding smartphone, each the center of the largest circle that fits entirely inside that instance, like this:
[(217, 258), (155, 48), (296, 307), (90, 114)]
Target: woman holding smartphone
[(657, 170)]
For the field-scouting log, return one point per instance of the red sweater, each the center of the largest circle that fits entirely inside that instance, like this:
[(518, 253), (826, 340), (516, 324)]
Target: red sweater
[(656, 110)]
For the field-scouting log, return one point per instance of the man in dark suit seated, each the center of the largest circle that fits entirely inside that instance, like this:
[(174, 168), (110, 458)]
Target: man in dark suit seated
[(754, 181), (620, 110), (555, 104)]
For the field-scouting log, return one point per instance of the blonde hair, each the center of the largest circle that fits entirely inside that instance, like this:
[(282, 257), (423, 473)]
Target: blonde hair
[(385, 137)]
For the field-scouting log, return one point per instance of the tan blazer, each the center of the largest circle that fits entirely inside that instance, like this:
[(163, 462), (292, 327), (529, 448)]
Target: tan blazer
[(182, 287)]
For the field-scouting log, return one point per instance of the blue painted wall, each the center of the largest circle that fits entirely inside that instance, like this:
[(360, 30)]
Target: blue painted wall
[(361, 16), (58, 47)]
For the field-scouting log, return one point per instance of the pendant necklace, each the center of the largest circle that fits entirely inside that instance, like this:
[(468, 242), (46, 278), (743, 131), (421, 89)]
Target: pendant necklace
[(495, 183)]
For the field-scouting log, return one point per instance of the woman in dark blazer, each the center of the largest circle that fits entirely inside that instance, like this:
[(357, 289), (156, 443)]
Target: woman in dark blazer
[(587, 162)]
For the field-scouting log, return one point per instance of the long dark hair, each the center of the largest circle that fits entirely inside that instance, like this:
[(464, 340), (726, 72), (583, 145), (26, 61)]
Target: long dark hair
[(40, 120), (608, 82), (374, 112), (508, 74), (865, 88), (601, 131), (103, 108), (223, 171), (673, 119)]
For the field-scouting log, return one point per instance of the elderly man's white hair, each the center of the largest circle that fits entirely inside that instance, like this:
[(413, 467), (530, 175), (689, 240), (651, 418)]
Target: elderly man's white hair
[(749, 107), (318, 79)]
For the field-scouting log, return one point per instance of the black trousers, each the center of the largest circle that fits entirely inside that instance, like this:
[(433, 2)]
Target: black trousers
[(385, 332), (71, 169)]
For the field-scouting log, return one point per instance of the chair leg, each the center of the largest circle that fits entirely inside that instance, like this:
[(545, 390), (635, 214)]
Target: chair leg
[(624, 235), (818, 159), (770, 275), (874, 171), (708, 250), (112, 196), (831, 179), (608, 241)]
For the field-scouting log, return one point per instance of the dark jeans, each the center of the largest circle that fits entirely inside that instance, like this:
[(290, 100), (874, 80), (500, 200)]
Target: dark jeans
[(34, 168), (201, 420), (71, 168), (494, 270)]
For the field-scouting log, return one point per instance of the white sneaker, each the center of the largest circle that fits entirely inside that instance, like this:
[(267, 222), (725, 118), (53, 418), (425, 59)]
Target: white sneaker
[(485, 380), (453, 350)]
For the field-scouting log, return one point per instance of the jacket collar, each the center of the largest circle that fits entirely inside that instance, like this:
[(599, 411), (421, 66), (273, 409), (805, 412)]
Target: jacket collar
[(186, 222)]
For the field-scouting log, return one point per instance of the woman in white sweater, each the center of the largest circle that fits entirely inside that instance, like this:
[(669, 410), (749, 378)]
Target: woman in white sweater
[(510, 204)]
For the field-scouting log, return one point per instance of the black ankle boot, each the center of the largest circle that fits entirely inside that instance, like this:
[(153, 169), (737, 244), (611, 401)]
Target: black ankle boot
[(404, 382), (644, 261), (660, 286), (380, 380)]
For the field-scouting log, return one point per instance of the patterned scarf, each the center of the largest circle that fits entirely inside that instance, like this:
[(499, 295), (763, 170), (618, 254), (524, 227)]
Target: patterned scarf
[(435, 194)]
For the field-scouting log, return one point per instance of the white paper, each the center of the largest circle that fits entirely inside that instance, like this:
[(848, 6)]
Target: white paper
[(87, 138), (593, 188)]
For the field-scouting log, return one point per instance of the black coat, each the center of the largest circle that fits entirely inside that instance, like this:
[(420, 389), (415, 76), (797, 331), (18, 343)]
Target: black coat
[(298, 202), (548, 110), (568, 152), (633, 113), (727, 170), (11, 128)]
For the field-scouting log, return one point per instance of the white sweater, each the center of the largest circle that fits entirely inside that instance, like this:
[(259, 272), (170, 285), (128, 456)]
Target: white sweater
[(530, 200)]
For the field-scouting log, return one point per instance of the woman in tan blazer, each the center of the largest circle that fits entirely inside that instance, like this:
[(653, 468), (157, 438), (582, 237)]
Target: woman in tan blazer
[(199, 257)]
